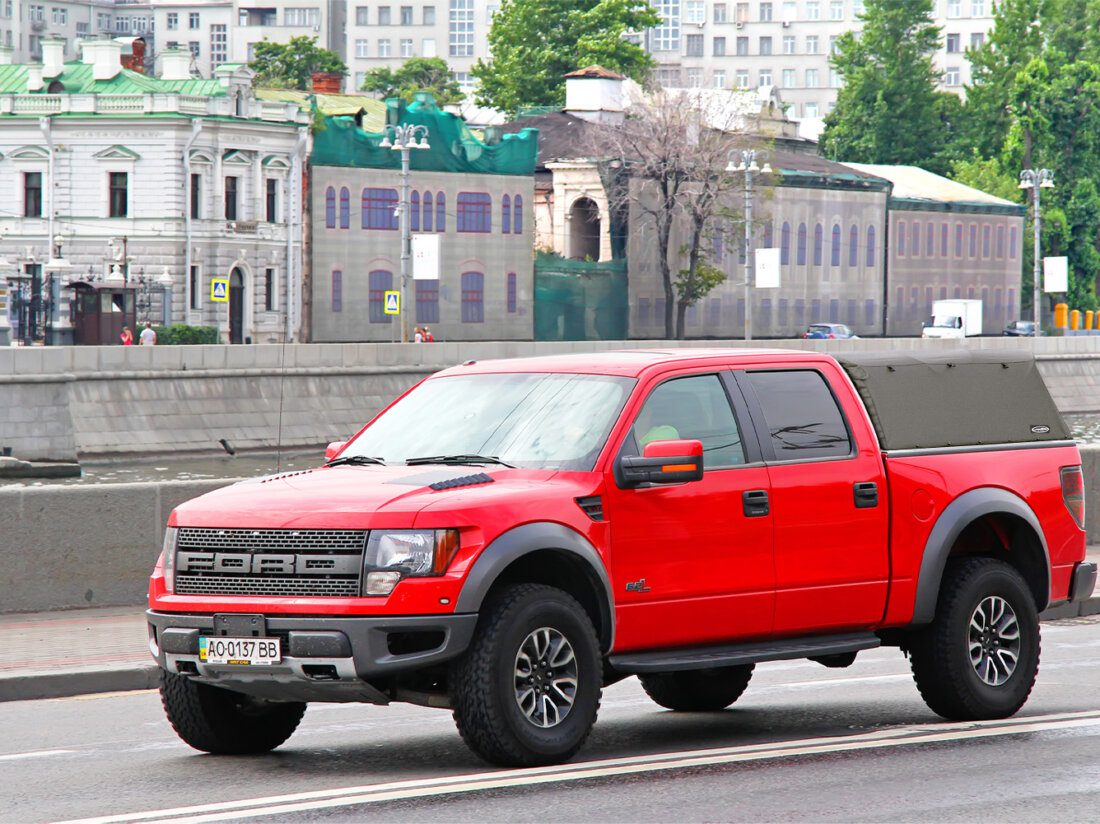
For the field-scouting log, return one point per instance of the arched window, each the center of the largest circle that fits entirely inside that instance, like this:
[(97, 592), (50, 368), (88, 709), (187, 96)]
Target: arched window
[(768, 235), (511, 291), (785, 244), (853, 247), (1000, 241), (943, 240), (517, 215), (930, 240), (441, 212), (414, 212), (901, 237), (345, 208), (330, 208), (987, 233), (428, 211), (973, 244), (958, 240), (870, 261), (379, 282), (916, 239), (801, 259), (819, 242), (473, 297), (506, 215), (834, 252), (1012, 243)]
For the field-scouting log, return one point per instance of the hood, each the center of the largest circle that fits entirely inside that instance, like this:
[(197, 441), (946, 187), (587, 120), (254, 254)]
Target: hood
[(347, 497)]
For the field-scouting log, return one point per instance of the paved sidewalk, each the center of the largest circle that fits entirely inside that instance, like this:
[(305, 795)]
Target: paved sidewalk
[(55, 654)]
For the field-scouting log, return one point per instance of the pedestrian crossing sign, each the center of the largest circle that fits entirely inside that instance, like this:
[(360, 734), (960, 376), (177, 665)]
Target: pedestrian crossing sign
[(219, 290), (392, 303)]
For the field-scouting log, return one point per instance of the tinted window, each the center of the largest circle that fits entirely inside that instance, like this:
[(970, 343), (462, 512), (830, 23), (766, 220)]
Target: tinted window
[(801, 415), (694, 408)]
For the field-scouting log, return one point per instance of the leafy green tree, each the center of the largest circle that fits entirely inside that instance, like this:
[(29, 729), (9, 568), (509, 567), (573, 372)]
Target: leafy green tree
[(990, 176), (290, 65), (535, 43), (888, 110), (418, 74)]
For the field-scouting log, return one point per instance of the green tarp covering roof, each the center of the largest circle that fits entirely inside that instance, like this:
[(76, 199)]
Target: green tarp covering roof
[(454, 148)]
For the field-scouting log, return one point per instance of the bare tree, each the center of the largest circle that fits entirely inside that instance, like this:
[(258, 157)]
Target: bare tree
[(674, 147)]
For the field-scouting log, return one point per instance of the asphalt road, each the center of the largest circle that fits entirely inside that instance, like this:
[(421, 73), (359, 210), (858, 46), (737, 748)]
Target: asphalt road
[(805, 743)]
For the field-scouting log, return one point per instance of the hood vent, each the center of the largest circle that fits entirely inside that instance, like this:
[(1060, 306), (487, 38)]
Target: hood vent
[(592, 506), (462, 480), (285, 475)]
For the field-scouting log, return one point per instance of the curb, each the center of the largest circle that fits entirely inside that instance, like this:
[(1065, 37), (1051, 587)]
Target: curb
[(63, 683), (1090, 606)]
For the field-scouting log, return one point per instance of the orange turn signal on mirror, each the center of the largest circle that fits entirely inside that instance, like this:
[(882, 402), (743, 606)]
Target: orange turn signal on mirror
[(446, 547), (678, 468)]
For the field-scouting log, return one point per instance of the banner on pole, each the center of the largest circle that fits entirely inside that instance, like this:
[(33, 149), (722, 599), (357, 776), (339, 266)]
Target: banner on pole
[(425, 255), (767, 268), (1055, 274)]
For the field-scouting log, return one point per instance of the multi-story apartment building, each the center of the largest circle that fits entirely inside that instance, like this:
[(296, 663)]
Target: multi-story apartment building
[(24, 24), (788, 43)]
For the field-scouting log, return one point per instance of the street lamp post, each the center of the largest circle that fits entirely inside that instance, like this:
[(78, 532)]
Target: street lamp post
[(404, 139), (747, 163), (1036, 179)]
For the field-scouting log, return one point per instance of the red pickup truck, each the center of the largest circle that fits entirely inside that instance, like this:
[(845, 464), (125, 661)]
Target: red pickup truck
[(509, 537)]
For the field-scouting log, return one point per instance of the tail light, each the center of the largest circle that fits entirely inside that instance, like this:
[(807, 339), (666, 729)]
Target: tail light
[(1073, 493)]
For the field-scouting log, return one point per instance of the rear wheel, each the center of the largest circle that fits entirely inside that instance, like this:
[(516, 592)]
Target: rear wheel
[(527, 690), (706, 690), (980, 656), (221, 721)]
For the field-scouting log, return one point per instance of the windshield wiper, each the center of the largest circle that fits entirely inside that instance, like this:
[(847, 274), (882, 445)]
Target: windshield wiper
[(457, 459), (356, 460)]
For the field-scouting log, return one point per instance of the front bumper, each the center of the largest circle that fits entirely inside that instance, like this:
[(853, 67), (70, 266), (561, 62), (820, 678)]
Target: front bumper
[(324, 658), (1083, 582)]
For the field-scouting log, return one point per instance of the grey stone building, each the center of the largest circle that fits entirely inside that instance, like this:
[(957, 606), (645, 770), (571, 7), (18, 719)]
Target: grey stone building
[(476, 196)]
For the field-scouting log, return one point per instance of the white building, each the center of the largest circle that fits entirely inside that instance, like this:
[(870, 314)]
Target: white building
[(151, 188), (24, 24)]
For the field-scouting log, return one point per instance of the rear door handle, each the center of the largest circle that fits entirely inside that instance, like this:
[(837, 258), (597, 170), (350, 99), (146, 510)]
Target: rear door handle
[(866, 494), (754, 503)]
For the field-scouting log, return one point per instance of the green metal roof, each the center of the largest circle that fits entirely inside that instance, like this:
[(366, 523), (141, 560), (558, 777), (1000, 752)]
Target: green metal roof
[(77, 78), (333, 105)]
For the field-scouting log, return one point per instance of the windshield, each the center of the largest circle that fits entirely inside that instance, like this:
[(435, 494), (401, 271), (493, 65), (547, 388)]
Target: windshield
[(947, 321), (533, 420)]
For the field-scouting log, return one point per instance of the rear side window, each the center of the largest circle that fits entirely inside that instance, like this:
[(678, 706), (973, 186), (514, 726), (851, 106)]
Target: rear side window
[(694, 408), (801, 414)]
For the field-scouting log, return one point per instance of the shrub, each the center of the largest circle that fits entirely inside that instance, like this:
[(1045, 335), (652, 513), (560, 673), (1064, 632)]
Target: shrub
[(180, 334)]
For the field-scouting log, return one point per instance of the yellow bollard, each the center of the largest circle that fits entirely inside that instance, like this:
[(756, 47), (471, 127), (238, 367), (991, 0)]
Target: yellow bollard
[(1089, 317), (1061, 315), (1075, 319)]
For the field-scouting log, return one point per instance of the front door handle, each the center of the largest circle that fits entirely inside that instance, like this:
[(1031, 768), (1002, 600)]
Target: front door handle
[(754, 503), (866, 494)]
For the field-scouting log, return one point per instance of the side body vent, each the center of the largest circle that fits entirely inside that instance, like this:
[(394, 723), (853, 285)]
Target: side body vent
[(464, 480), (592, 506)]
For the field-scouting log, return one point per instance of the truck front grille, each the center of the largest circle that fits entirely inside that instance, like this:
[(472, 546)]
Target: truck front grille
[(300, 562)]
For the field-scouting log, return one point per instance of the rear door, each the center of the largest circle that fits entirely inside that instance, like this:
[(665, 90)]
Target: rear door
[(828, 498), (692, 563)]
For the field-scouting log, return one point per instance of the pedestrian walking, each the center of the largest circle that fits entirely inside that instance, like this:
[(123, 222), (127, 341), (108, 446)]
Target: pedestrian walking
[(127, 337), (418, 335), (148, 337), (428, 336)]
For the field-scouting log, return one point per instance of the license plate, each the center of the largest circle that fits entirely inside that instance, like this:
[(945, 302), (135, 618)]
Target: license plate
[(256, 652)]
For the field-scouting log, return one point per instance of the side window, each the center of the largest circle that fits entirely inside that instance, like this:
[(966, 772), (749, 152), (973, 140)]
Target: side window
[(802, 416), (694, 408)]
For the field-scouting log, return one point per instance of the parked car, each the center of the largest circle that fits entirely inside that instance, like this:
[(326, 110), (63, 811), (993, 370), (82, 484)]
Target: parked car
[(1020, 329), (508, 537), (832, 331)]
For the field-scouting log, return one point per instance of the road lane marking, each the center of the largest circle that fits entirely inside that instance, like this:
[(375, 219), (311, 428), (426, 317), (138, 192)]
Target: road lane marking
[(605, 768), (17, 756)]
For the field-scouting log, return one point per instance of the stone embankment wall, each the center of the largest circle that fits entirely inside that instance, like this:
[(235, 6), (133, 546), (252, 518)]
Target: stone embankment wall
[(65, 403)]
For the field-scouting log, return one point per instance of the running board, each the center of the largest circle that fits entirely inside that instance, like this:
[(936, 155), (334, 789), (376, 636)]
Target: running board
[(695, 658)]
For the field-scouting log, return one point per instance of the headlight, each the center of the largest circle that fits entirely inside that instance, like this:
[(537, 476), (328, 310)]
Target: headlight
[(395, 554), (168, 559)]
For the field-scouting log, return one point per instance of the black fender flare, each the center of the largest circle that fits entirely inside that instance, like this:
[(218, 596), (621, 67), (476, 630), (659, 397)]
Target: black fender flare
[(959, 514), (524, 540)]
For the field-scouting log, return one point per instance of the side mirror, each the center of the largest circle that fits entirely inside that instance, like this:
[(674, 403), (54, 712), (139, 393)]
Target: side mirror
[(663, 462), (333, 449)]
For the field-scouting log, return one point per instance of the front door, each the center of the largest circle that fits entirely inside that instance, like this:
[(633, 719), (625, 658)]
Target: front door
[(236, 307), (828, 500), (689, 565)]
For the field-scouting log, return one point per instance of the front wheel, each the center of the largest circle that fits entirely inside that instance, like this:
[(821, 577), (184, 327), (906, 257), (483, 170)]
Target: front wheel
[(980, 656), (527, 690), (220, 721)]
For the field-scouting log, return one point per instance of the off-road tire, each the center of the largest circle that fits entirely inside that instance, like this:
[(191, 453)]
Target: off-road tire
[(220, 721), (706, 690), (939, 654), (482, 682)]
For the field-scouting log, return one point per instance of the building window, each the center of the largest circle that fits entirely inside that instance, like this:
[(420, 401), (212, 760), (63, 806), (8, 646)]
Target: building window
[(853, 246), (951, 76), (405, 47), (742, 47), (943, 240), (695, 11), (741, 79), (915, 252), (379, 282), (301, 17), (819, 243), (32, 194), (428, 211), (384, 15), (269, 290), (384, 47), (870, 259), (337, 290), (813, 10), (196, 288), (958, 240), (765, 78), (666, 36), (901, 237), (809, 110), (196, 196), (953, 44), (378, 207), (788, 78), (59, 16), (765, 46), (801, 259), (694, 78), (973, 240), (219, 45), (834, 252), (330, 208), (473, 297), (720, 12), (836, 10), (765, 12), (790, 43), (719, 78), (345, 208), (271, 201), (231, 198), (693, 45), (460, 31), (361, 51), (812, 41), (414, 212), (475, 212), (977, 8), (517, 214), (719, 47), (1012, 243), (511, 292), (427, 47), (785, 244), (193, 20), (118, 183), (811, 78), (427, 301), (987, 234), (362, 15), (406, 15), (429, 16), (173, 21), (441, 212), (505, 215)]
